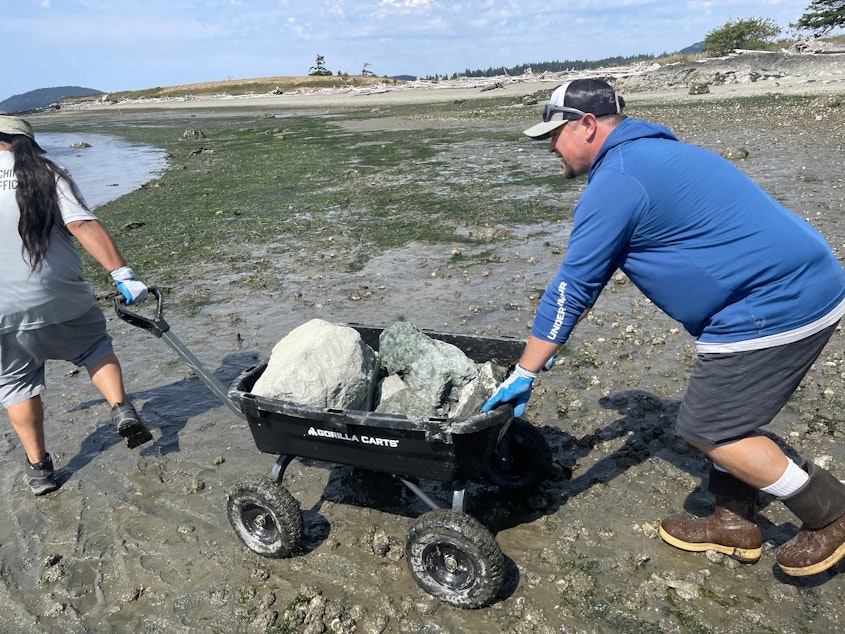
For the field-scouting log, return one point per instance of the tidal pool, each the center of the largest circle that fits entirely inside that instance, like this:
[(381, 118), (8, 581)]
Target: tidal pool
[(109, 168)]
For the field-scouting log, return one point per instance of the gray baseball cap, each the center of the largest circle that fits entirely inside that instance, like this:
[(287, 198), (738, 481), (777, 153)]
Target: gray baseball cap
[(573, 100)]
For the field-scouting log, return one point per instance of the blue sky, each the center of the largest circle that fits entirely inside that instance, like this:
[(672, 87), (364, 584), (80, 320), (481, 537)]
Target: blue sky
[(113, 45)]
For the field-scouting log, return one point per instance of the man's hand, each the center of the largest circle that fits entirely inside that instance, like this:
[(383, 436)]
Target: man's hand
[(516, 389), (134, 291)]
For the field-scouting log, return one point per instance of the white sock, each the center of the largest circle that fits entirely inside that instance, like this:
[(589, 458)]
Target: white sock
[(792, 479)]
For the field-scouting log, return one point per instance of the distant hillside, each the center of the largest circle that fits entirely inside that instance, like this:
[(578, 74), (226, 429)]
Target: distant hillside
[(43, 97), (696, 48)]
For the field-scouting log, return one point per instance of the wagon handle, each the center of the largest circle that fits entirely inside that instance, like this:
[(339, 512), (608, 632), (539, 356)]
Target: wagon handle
[(156, 326), (161, 329)]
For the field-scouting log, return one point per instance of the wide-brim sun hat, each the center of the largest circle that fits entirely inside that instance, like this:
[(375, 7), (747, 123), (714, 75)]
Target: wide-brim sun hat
[(574, 99), (16, 125)]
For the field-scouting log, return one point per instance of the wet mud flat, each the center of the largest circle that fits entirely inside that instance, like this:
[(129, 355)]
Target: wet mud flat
[(138, 540)]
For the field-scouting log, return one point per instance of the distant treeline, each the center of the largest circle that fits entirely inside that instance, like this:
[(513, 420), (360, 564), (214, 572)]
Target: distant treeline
[(556, 67), (579, 64)]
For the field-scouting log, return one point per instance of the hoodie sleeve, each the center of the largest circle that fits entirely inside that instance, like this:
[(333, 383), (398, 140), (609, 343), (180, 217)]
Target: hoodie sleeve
[(604, 220)]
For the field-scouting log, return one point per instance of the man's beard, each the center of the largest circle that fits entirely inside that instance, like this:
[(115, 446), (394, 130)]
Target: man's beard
[(568, 172)]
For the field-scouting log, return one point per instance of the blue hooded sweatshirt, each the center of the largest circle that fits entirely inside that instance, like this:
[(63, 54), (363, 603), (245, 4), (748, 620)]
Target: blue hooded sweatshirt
[(697, 237)]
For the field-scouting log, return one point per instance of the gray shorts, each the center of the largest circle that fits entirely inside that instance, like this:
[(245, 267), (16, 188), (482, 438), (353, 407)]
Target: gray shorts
[(82, 341), (732, 395)]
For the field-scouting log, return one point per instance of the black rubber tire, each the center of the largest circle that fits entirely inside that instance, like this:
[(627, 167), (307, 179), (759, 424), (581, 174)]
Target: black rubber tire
[(455, 559), (266, 517), (522, 460)]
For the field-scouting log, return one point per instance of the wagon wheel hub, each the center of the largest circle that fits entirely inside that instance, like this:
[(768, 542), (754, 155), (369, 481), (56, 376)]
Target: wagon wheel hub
[(450, 564)]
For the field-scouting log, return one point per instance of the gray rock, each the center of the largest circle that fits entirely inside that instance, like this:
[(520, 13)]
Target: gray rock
[(394, 397), (735, 154), (191, 134), (407, 402), (825, 103), (435, 370), (389, 386), (475, 393), (322, 365)]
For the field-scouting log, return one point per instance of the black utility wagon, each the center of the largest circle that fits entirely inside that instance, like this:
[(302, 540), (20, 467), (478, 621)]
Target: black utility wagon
[(451, 555)]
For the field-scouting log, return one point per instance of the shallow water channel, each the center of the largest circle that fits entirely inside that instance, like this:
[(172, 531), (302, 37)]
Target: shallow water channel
[(109, 168)]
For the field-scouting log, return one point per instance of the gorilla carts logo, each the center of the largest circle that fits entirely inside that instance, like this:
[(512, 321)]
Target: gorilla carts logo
[(364, 440)]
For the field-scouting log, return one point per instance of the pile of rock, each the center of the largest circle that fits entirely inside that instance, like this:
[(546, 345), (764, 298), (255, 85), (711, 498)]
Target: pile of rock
[(741, 67), (330, 366)]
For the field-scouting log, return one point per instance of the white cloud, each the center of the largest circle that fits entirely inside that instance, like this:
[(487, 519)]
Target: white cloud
[(413, 5)]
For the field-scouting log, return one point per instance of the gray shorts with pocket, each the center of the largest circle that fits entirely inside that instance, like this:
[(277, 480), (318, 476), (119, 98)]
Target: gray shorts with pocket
[(82, 341), (732, 395)]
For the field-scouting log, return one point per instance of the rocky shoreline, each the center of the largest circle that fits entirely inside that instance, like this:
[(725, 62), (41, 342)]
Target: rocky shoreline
[(741, 74)]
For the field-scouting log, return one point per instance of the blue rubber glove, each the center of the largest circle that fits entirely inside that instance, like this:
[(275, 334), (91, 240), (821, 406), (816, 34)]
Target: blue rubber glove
[(550, 363), (516, 390), (134, 291)]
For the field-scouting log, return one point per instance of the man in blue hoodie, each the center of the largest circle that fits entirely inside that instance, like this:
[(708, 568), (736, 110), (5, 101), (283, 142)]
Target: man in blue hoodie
[(759, 289)]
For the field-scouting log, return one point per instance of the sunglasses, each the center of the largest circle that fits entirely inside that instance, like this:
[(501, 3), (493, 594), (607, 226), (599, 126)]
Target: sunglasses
[(558, 113)]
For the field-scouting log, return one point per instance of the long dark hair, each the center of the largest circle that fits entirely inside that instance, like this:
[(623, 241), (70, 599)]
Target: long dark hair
[(37, 197)]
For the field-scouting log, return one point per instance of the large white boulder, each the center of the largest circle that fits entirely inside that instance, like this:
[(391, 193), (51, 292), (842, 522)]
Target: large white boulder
[(322, 365)]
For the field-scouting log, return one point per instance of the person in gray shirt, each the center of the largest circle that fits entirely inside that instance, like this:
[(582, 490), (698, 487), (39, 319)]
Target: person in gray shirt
[(48, 309)]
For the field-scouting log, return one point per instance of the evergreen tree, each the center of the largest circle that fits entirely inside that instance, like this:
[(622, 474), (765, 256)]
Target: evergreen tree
[(822, 16), (319, 67)]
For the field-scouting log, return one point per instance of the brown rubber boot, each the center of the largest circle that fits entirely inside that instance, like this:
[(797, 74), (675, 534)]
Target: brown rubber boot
[(820, 544), (731, 529)]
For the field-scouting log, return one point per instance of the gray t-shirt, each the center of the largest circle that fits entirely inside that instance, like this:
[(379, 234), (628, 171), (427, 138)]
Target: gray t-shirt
[(57, 291)]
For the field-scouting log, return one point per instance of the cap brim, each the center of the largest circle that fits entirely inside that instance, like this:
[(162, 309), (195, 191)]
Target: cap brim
[(15, 125), (543, 130)]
